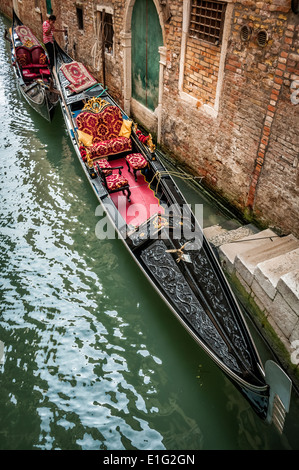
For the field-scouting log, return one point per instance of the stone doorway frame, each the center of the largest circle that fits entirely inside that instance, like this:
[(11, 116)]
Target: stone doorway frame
[(152, 120)]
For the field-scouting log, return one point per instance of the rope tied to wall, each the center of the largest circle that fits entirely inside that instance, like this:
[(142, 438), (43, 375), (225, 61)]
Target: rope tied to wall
[(176, 174)]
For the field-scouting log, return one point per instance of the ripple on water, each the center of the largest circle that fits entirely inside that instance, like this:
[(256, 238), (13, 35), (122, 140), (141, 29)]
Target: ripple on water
[(78, 356)]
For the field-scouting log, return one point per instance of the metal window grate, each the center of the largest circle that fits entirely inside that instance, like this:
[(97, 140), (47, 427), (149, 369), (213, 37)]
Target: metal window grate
[(207, 19)]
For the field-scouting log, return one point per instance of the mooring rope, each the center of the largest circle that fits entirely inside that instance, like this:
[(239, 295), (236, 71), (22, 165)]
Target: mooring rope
[(177, 174), (254, 239)]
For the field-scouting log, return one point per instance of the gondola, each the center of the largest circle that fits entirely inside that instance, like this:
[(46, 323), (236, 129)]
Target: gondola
[(32, 70), (169, 246)]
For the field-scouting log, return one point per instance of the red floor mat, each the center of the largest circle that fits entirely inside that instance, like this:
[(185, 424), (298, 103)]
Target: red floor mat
[(143, 201)]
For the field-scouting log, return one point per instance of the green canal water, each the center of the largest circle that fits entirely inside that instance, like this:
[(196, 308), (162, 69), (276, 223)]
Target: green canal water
[(90, 357)]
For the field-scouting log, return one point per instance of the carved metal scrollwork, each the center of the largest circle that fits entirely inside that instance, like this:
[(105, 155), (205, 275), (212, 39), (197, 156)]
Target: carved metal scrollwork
[(164, 269)]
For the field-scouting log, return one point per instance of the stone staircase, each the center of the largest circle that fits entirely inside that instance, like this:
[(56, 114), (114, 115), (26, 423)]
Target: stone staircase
[(267, 267)]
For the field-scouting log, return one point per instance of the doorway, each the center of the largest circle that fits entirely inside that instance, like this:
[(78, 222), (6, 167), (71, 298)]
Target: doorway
[(146, 40)]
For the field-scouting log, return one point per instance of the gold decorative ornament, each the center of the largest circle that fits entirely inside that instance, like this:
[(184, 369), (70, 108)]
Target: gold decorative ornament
[(88, 159), (95, 105), (150, 143)]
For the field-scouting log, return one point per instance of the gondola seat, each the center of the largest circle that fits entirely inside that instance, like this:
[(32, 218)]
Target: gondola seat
[(28, 75), (23, 56), (33, 63), (114, 182), (137, 162), (104, 165), (45, 73), (105, 128), (39, 59)]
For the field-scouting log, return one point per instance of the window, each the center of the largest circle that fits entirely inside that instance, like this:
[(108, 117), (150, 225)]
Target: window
[(106, 20), (80, 17), (108, 32), (207, 19)]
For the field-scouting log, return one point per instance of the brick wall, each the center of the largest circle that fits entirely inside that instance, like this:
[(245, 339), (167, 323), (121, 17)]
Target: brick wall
[(273, 192), (201, 70), (247, 149), (249, 152)]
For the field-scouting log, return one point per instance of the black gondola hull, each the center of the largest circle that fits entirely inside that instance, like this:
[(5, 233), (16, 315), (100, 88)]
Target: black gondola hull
[(38, 93), (196, 291)]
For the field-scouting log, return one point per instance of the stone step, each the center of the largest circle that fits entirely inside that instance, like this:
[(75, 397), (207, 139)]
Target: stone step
[(247, 261), (213, 232), (218, 235), (288, 287), (267, 267), (229, 251), (269, 272), (283, 311)]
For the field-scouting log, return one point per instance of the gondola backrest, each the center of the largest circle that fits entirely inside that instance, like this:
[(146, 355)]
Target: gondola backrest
[(102, 126), (38, 56), (103, 123), (23, 55)]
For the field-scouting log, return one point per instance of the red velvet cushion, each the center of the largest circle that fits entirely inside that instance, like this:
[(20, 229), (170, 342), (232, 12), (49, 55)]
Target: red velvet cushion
[(102, 126), (110, 147), (30, 75), (38, 55), (136, 161), (116, 181), (104, 165), (37, 66), (24, 56), (45, 72)]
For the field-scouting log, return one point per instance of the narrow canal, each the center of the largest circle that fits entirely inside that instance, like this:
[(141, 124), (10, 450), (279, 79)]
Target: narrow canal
[(90, 357)]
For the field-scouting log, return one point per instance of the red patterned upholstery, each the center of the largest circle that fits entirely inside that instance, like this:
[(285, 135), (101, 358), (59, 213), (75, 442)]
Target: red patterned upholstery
[(38, 57), (24, 56), (110, 147), (83, 152), (116, 182), (104, 128), (33, 62), (137, 162), (87, 122), (104, 165)]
